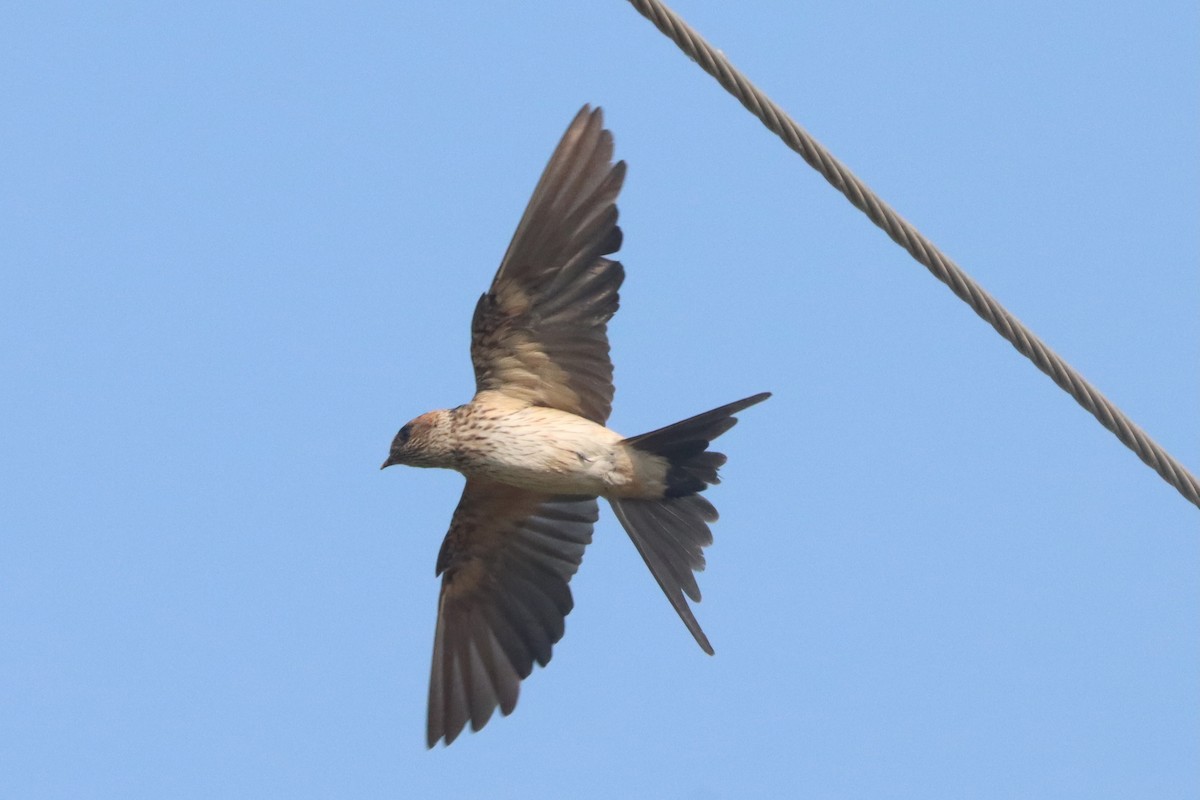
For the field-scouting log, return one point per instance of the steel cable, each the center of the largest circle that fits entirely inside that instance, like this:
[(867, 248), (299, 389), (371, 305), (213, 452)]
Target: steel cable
[(716, 64)]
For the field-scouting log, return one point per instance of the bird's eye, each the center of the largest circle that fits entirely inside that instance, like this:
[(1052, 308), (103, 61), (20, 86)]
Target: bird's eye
[(405, 432)]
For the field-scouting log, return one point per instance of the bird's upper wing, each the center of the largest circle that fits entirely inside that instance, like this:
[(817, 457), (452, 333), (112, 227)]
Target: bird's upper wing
[(505, 565), (539, 332)]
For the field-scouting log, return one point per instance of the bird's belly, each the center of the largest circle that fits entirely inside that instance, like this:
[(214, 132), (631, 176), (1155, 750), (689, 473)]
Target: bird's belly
[(548, 451), (557, 482)]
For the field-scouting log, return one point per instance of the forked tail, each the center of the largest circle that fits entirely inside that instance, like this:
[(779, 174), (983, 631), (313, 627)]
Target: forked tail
[(672, 532)]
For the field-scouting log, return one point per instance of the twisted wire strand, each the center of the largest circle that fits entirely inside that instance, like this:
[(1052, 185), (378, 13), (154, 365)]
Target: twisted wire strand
[(714, 63)]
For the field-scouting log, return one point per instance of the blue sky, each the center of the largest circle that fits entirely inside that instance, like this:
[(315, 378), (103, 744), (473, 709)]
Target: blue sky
[(241, 246)]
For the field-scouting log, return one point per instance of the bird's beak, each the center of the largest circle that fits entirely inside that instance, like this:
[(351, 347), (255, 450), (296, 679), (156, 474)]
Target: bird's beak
[(388, 463)]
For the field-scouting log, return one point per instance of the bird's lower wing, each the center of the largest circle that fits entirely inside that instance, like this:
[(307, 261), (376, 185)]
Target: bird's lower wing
[(505, 564)]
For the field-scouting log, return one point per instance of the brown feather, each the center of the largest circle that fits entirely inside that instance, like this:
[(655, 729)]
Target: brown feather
[(540, 332), (505, 565)]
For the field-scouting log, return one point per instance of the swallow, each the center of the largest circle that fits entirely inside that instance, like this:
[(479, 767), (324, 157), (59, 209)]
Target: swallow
[(536, 453)]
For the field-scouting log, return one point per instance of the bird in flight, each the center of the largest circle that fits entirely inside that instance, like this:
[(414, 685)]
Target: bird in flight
[(536, 454)]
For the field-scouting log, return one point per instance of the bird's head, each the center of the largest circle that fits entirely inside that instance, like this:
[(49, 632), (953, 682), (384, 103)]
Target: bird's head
[(419, 443)]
